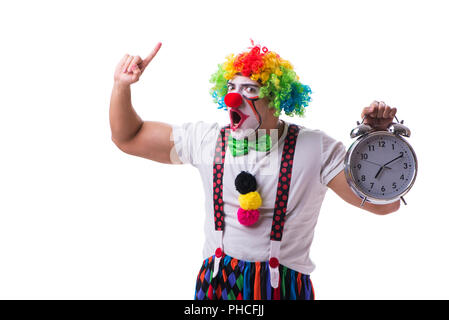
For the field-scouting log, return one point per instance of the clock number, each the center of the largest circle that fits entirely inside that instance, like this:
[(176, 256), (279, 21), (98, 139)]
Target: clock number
[(382, 144), (401, 153), (363, 178), (394, 185), (364, 156), (359, 166), (392, 145), (405, 166), (402, 177), (372, 184), (370, 148), (382, 189)]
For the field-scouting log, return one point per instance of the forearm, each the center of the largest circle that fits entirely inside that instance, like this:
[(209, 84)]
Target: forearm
[(123, 119), (341, 187), (382, 209)]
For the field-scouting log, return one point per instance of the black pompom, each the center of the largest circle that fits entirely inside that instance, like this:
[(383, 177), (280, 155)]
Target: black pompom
[(245, 182)]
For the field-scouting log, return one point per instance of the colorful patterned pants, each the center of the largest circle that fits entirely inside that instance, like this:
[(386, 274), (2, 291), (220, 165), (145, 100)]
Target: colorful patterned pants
[(243, 280)]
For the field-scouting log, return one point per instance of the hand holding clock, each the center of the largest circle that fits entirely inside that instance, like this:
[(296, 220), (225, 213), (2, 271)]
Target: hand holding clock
[(375, 148), (378, 115)]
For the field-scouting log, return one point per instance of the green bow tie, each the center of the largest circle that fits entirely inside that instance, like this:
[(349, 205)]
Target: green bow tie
[(240, 147)]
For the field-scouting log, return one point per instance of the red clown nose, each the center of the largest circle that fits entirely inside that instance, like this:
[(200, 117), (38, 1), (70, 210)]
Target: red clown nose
[(233, 100)]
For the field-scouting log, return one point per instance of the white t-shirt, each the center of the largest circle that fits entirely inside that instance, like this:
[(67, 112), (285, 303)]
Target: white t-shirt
[(318, 158)]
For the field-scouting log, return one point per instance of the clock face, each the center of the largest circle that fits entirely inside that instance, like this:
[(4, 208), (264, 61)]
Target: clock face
[(383, 166)]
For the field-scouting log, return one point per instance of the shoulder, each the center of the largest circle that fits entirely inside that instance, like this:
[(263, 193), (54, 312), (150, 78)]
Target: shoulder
[(197, 126), (194, 140), (317, 140), (197, 131), (310, 134)]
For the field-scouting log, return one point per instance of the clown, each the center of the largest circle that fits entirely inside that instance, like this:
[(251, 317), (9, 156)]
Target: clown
[(264, 178)]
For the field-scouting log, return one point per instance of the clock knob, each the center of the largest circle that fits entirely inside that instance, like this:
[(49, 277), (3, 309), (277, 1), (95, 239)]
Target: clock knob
[(399, 129), (360, 130)]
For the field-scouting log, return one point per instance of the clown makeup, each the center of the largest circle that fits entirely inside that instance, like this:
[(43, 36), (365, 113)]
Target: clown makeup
[(241, 99)]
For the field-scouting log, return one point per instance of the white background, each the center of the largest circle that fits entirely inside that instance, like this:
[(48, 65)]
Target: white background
[(79, 219)]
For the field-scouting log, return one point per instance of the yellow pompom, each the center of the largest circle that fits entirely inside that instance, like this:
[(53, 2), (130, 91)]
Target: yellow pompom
[(250, 200)]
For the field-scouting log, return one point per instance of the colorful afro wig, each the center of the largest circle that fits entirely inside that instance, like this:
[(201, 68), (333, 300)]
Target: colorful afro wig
[(276, 76)]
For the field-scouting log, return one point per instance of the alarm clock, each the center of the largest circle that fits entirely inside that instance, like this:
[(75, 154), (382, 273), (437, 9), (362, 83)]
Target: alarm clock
[(380, 166)]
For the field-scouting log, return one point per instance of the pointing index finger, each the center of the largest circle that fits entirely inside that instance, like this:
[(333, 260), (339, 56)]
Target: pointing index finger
[(150, 57)]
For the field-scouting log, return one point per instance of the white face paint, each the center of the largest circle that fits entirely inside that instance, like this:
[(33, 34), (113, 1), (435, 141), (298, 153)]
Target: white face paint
[(244, 119)]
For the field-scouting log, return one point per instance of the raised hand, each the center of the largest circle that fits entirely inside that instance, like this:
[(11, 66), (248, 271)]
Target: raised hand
[(378, 115), (130, 68)]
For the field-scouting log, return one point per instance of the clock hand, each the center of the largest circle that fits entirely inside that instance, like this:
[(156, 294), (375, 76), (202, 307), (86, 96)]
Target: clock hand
[(385, 165), (376, 163), (378, 172), (393, 160), (372, 162)]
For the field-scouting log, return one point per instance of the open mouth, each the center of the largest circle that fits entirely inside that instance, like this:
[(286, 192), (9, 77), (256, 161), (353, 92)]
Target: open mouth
[(237, 118)]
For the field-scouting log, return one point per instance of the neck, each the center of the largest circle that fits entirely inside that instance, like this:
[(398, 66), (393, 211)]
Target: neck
[(279, 127)]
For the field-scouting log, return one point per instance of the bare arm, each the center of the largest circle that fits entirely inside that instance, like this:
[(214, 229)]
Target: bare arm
[(340, 186), (146, 139)]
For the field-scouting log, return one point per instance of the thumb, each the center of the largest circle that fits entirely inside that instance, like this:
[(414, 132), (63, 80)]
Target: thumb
[(136, 73)]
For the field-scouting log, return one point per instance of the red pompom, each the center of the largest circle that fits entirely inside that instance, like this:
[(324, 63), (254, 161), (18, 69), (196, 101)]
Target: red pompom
[(247, 217)]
